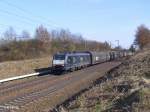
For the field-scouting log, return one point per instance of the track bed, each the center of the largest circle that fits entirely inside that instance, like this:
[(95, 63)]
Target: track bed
[(45, 92)]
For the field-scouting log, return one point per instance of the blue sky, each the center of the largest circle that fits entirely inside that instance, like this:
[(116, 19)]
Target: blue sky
[(101, 20)]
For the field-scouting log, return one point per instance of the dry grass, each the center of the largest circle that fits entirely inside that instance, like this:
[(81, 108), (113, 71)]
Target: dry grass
[(141, 55), (144, 104), (98, 98), (16, 68)]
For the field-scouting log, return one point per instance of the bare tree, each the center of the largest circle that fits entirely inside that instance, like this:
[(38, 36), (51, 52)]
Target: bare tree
[(10, 35), (43, 36), (142, 37)]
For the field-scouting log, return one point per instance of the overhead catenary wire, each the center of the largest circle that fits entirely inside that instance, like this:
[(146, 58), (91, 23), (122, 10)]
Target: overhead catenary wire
[(31, 14), (21, 18)]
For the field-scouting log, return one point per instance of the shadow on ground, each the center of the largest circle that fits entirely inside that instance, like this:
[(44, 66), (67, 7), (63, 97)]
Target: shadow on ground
[(48, 71)]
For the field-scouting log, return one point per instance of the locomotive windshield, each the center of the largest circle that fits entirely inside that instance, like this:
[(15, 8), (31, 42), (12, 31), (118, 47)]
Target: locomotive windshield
[(59, 57)]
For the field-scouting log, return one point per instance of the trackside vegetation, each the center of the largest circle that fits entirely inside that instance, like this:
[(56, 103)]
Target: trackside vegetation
[(15, 46)]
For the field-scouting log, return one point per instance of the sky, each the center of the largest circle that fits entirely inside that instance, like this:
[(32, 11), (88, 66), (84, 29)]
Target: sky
[(100, 20)]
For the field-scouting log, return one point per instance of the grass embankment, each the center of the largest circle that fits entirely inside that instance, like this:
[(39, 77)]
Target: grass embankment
[(16, 68), (128, 92)]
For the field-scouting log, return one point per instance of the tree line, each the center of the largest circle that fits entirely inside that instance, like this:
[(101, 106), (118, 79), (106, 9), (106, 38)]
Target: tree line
[(44, 43)]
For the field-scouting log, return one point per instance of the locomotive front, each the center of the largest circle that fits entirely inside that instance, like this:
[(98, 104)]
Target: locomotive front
[(58, 62)]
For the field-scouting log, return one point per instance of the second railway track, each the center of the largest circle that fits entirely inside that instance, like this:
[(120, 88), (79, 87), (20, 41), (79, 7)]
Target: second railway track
[(26, 92)]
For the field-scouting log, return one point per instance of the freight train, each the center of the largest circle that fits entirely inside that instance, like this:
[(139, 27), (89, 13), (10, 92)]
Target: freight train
[(71, 61)]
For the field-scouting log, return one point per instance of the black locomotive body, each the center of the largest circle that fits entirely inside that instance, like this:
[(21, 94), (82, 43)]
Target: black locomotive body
[(76, 60), (71, 61)]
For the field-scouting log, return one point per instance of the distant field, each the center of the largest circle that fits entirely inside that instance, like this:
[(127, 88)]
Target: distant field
[(16, 68)]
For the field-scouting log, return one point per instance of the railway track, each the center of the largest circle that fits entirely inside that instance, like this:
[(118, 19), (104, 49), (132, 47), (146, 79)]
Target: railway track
[(18, 95)]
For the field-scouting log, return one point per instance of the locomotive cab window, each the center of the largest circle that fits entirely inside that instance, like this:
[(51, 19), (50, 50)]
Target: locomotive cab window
[(59, 57)]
